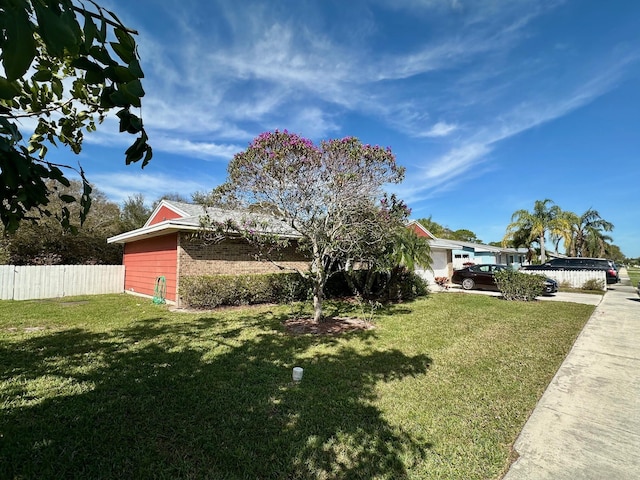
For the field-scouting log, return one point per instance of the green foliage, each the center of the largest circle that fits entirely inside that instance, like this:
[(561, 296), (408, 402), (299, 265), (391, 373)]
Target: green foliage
[(134, 213), (394, 286), (516, 285), (527, 227), (212, 291), (594, 284), (45, 241), (64, 74), (441, 231)]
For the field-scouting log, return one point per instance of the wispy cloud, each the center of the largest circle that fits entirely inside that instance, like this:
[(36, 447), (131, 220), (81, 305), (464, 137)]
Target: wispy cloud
[(118, 187), (440, 129)]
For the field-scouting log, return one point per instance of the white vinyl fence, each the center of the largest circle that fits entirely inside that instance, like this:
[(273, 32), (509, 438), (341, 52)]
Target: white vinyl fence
[(51, 281), (572, 278)]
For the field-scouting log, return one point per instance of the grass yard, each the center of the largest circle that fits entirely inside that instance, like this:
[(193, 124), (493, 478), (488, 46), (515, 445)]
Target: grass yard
[(116, 387), (634, 275)]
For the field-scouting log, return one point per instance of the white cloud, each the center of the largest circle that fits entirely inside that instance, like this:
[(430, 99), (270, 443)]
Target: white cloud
[(118, 187), (441, 129), (202, 150)]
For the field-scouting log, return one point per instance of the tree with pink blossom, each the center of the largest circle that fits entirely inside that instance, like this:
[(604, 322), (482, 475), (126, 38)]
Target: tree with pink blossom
[(331, 195)]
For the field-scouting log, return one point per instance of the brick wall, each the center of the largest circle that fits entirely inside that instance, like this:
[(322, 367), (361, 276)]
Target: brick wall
[(230, 257)]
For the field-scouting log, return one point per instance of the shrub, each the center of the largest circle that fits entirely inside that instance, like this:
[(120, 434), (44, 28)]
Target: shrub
[(396, 286), (405, 285), (516, 285), (215, 290), (212, 291), (593, 284)]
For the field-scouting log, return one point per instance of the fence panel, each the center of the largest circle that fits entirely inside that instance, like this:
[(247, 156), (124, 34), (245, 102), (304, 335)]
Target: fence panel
[(7, 273), (572, 278), (51, 281)]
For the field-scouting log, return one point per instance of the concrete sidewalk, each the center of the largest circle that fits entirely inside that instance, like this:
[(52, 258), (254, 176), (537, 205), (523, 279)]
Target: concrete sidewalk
[(587, 423)]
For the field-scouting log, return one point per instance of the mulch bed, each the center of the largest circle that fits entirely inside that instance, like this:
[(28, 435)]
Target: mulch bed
[(329, 326)]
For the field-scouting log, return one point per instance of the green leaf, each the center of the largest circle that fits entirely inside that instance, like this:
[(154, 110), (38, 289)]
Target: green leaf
[(57, 31), (67, 198), (119, 74), (83, 63), (90, 31), (95, 77), (42, 76), (8, 89), (135, 88), (135, 69), (148, 156), (19, 48), (123, 52), (101, 55), (135, 152), (56, 86), (120, 98)]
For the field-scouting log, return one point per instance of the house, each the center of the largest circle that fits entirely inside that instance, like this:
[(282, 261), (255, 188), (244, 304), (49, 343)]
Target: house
[(441, 254), (478, 253), (166, 246), (448, 255)]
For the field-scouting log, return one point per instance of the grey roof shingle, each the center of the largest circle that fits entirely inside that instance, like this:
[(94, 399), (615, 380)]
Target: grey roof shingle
[(260, 222)]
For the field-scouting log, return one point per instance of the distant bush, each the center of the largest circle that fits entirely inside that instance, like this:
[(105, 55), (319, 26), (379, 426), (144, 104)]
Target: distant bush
[(516, 285), (212, 291), (593, 284)]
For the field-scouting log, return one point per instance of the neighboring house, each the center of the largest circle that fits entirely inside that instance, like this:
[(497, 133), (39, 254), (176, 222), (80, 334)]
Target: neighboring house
[(165, 246), (478, 253), (448, 255), (441, 254)]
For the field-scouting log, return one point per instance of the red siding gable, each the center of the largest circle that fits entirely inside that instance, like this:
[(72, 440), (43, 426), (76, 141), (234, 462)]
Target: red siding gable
[(164, 213), (419, 230), (146, 260)]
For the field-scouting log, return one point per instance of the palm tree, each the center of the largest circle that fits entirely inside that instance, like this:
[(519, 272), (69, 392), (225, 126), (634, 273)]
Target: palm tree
[(410, 251), (564, 229), (589, 239), (543, 219)]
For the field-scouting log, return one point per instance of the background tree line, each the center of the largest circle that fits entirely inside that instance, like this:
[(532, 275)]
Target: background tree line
[(42, 239), (581, 235)]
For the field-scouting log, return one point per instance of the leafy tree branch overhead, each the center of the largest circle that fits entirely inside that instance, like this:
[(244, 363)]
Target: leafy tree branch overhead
[(67, 64)]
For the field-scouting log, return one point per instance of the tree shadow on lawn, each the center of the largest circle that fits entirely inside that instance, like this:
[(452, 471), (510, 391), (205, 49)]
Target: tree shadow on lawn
[(187, 400)]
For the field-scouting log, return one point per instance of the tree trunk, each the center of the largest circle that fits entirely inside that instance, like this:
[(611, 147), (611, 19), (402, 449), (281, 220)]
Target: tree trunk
[(543, 257), (318, 295)]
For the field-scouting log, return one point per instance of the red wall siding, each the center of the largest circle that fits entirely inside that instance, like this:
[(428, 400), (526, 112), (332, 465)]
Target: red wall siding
[(146, 260), (418, 231), (164, 214)]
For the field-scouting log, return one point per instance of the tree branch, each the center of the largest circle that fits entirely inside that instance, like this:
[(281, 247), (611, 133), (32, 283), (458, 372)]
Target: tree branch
[(103, 18)]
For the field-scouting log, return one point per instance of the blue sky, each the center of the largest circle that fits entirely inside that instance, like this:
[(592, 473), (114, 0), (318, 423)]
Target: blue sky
[(489, 104)]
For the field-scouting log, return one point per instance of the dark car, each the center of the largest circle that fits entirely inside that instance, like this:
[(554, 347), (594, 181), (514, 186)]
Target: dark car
[(580, 263), (482, 276)]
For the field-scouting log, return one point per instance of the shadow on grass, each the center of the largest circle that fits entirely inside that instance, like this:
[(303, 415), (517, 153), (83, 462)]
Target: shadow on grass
[(199, 399)]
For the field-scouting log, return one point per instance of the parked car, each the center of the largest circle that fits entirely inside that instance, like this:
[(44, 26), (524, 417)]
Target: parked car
[(482, 276), (580, 263)]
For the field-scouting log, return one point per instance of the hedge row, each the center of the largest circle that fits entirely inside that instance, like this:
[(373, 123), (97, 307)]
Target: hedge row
[(211, 291), (516, 285)]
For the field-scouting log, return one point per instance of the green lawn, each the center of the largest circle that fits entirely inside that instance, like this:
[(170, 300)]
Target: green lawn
[(634, 275), (116, 387)]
